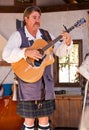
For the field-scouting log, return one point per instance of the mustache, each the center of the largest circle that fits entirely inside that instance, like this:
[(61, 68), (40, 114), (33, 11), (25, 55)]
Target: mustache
[(37, 23)]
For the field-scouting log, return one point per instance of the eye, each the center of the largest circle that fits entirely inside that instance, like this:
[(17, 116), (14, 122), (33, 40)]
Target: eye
[(34, 17)]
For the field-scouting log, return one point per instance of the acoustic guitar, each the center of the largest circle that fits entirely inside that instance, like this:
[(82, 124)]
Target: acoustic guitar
[(30, 70)]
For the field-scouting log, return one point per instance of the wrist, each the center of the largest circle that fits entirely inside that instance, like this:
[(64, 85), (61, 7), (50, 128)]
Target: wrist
[(25, 56)]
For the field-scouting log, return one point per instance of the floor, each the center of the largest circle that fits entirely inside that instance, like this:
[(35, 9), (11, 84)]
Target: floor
[(64, 128)]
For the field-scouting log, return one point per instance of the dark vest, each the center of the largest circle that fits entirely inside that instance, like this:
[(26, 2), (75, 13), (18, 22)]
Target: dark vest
[(32, 91)]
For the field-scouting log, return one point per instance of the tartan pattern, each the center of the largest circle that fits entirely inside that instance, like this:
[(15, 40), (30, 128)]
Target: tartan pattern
[(30, 109)]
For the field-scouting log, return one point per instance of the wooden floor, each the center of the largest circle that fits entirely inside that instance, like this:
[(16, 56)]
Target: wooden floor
[(64, 128)]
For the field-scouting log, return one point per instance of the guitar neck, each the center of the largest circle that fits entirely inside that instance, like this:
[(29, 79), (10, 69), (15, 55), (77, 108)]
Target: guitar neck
[(56, 39), (52, 43), (77, 24)]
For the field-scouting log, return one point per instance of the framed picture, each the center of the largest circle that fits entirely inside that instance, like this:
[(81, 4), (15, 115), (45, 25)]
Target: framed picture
[(24, 2)]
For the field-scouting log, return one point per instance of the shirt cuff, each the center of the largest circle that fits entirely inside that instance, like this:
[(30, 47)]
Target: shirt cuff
[(23, 53)]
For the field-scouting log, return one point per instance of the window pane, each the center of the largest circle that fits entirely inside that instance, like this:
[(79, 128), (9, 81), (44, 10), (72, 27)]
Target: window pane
[(68, 66)]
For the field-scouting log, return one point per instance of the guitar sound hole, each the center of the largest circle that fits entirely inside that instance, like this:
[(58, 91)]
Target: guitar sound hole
[(38, 63)]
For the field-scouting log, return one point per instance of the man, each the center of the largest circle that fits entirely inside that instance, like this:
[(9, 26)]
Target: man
[(36, 99)]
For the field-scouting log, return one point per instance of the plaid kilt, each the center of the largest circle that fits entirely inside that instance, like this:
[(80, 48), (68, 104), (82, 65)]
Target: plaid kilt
[(29, 109)]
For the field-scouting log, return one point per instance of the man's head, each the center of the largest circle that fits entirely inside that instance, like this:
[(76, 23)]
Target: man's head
[(29, 10)]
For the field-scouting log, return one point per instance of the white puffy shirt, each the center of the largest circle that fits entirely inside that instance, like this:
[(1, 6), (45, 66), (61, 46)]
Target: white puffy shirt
[(13, 53)]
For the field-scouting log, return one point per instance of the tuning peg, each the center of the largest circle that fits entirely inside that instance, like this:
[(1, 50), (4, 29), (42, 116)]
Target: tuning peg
[(66, 28)]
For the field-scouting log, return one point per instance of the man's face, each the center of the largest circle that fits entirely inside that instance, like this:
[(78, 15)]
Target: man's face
[(33, 21)]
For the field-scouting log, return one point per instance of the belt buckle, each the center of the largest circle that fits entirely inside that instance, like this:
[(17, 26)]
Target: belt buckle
[(39, 105)]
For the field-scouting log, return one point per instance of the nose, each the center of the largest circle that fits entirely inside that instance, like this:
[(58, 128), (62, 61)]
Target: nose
[(37, 19)]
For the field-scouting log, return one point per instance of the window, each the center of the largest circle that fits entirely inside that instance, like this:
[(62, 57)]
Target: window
[(65, 69)]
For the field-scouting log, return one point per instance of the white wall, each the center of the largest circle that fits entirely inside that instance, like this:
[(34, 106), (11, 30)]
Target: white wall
[(53, 22)]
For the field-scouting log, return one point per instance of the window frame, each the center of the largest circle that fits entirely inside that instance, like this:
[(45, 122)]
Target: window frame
[(56, 67)]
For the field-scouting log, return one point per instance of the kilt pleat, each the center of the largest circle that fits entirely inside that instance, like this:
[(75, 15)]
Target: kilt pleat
[(29, 109)]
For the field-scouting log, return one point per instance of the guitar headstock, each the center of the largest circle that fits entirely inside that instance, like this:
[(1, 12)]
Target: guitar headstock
[(77, 24), (80, 22)]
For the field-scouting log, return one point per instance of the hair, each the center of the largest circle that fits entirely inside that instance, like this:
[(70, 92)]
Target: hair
[(29, 10)]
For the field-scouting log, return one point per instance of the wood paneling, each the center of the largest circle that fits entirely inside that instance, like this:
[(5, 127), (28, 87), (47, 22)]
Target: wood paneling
[(68, 111)]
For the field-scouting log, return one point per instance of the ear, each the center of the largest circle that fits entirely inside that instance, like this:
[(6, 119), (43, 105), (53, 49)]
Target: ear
[(25, 18)]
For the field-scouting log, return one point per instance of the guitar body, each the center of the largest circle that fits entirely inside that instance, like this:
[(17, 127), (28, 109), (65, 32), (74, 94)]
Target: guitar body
[(26, 71)]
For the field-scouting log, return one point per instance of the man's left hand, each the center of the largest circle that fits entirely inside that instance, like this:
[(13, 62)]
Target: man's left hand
[(66, 38)]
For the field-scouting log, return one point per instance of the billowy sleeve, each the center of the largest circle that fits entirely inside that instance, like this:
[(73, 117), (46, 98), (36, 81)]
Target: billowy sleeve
[(61, 49), (12, 52)]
